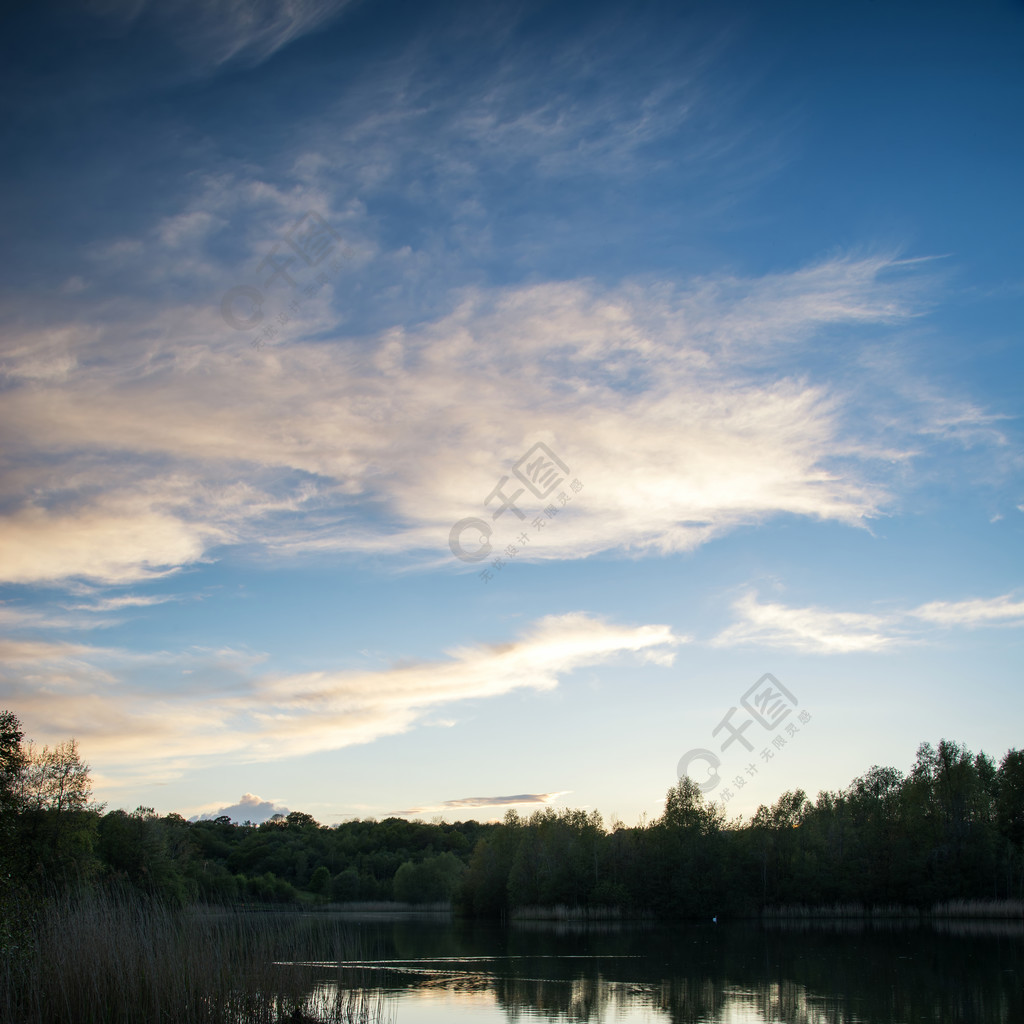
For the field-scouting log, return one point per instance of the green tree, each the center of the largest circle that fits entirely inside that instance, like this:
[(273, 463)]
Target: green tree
[(686, 808), (345, 886), (1010, 819), (13, 762), (15, 919), (321, 881), (56, 779), (57, 827), (149, 852), (432, 880), (485, 886)]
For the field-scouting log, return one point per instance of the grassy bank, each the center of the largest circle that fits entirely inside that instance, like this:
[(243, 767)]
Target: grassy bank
[(117, 958)]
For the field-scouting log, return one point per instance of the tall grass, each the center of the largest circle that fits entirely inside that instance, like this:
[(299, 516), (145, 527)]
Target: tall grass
[(839, 910), (564, 912), (115, 958), (1012, 909)]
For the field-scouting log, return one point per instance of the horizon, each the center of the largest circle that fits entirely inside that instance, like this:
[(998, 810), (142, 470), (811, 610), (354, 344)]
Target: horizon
[(413, 410)]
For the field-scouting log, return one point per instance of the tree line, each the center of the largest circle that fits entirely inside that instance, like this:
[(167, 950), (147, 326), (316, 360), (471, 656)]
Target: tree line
[(952, 828)]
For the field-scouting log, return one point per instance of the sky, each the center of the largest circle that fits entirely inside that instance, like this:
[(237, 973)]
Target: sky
[(435, 409)]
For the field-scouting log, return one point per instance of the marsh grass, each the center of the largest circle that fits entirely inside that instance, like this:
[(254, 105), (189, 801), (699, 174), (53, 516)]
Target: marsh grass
[(987, 909), (1012, 909), (116, 958), (563, 912)]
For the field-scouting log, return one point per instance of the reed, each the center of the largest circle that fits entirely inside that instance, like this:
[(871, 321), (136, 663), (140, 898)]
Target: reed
[(1013, 909), (563, 912), (117, 958), (989, 909), (838, 911)]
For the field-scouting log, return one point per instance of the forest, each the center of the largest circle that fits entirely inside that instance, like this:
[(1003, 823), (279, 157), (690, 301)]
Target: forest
[(952, 828)]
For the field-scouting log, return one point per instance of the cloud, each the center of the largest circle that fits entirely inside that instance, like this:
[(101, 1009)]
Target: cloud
[(499, 801), (18, 619), (140, 713), (661, 399), (517, 800), (992, 611), (810, 630), (249, 808), (88, 615), (116, 538), (108, 604), (822, 631), (216, 31)]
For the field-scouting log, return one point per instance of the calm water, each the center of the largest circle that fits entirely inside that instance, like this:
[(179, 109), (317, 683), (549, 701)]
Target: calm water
[(434, 971)]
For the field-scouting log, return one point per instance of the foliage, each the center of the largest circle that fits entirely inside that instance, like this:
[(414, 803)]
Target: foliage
[(432, 880), (952, 828)]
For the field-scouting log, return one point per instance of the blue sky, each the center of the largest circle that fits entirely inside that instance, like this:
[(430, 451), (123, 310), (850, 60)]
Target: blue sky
[(291, 289)]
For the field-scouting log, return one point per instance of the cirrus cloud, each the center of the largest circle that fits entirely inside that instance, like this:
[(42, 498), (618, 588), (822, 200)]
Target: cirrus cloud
[(662, 399), (225, 711)]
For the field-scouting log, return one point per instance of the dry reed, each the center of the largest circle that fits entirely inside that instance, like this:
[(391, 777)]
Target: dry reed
[(116, 958)]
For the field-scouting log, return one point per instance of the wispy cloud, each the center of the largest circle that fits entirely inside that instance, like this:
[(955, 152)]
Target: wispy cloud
[(14, 619), (501, 801), (473, 802), (216, 31), (812, 630), (822, 631), (110, 604), (226, 712), (142, 467), (1005, 610)]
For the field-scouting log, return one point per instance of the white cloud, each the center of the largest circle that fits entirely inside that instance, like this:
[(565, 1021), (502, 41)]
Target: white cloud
[(114, 539), (249, 808), (812, 630), (130, 469), (981, 611), (823, 631), (108, 604), (229, 713)]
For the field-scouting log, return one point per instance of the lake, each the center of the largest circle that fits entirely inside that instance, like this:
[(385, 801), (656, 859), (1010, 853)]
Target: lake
[(430, 971)]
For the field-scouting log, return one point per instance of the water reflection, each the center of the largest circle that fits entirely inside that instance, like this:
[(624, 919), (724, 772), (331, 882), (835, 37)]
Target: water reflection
[(794, 971)]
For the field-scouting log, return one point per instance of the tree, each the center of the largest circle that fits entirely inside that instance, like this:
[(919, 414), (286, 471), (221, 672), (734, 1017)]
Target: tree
[(56, 780), (345, 886), (14, 919), (13, 761), (685, 808), (1010, 816), (56, 828), (1010, 799), (321, 880)]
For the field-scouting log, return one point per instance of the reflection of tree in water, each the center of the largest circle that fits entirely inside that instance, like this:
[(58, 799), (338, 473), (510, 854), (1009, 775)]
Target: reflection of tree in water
[(681, 1000), (799, 971)]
